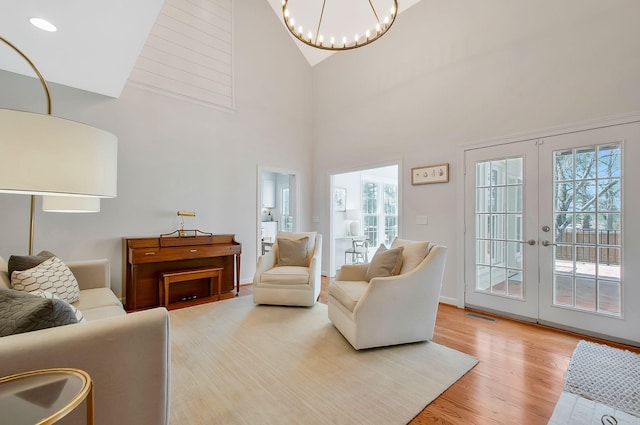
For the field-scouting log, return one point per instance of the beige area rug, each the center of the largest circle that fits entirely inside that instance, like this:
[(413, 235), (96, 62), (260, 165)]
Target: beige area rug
[(237, 363)]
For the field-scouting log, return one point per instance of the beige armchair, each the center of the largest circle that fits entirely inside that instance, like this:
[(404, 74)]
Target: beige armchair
[(394, 309), (289, 274)]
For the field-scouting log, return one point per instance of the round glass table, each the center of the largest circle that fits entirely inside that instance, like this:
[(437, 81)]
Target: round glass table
[(45, 396)]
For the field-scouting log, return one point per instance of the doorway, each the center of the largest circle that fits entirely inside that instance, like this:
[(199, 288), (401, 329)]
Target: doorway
[(277, 206), (365, 211), (545, 227)]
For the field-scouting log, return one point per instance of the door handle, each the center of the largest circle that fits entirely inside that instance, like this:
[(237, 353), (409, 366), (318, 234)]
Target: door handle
[(547, 243), (529, 242)]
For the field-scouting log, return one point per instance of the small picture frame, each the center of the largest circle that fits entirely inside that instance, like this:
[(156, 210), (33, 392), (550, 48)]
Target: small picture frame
[(340, 199), (438, 173)]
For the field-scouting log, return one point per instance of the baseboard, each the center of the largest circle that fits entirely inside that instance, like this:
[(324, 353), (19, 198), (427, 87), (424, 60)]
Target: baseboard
[(449, 300)]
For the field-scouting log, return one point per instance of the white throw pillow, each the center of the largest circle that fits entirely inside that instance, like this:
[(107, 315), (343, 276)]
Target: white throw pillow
[(51, 296), (52, 276), (413, 254)]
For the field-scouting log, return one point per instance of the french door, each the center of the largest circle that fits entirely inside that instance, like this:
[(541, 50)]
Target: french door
[(545, 226)]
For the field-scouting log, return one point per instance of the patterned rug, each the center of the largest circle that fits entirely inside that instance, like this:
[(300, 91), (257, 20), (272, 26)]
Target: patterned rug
[(605, 375)]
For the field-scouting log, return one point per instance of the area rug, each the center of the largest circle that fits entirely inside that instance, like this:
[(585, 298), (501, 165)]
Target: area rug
[(237, 363), (605, 374)]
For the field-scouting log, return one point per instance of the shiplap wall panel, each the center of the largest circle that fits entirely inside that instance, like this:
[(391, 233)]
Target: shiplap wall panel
[(203, 67), (189, 52), (216, 24), (172, 43), (195, 77)]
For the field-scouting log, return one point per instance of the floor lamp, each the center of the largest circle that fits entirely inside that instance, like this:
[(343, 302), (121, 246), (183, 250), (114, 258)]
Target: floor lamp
[(46, 155)]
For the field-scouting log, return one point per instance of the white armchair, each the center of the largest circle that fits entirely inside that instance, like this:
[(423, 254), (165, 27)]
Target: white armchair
[(288, 276), (394, 309)]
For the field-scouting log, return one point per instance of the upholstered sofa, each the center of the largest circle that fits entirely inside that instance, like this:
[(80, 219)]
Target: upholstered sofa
[(126, 355), (394, 309), (294, 281)]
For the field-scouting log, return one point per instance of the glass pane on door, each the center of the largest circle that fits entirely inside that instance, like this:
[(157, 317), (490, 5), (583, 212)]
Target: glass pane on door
[(499, 221), (587, 235)]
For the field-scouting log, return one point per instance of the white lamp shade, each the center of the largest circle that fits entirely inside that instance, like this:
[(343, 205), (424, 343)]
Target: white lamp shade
[(354, 228), (70, 204), (43, 154)]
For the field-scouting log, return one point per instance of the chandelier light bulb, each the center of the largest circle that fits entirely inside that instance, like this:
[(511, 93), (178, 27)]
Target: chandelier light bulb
[(323, 23)]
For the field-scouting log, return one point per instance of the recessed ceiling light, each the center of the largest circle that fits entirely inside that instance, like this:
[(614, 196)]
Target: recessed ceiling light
[(43, 24)]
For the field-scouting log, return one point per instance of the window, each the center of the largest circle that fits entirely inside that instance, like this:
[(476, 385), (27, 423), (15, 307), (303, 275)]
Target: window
[(370, 211), (499, 213), (287, 218), (380, 216), (587, 217), (390, 213)]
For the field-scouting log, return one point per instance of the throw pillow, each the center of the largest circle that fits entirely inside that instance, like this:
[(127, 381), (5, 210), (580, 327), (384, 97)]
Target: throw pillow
[(52, 296), (23, 312), (293, 252), (413, 254), (24, 262), (52, 276), (385, 262)]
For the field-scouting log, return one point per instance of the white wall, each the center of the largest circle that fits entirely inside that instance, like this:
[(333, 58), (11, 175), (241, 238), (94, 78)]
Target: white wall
[(174, 155), (451, 73)]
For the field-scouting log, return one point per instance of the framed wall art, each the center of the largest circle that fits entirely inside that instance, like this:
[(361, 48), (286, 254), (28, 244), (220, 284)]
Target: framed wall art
[(438, 173), (340, 199)]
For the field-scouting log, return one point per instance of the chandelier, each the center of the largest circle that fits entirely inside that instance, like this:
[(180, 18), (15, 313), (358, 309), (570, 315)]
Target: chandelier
[(341, 24)]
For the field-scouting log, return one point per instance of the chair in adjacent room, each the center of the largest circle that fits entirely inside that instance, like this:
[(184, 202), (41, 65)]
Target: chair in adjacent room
[(359, 251), (289, 274)]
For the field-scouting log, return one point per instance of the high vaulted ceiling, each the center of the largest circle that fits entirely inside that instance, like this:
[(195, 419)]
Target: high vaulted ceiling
[(98, 42)]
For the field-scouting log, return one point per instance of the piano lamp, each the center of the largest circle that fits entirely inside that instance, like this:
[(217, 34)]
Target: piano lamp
[(47, 155), (182, 215)]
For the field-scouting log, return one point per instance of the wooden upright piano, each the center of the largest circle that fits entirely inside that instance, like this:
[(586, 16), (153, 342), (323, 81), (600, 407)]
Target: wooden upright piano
[(144, 259)]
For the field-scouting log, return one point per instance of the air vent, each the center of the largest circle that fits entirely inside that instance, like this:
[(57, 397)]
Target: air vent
[(480, 316)]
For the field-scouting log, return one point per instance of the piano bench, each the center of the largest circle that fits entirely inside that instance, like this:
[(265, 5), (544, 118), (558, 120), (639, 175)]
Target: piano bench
[(167, 278)]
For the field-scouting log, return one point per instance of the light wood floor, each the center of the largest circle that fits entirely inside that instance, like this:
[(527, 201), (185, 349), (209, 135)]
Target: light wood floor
[(518, 379)]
